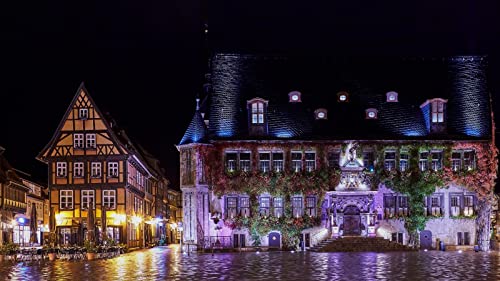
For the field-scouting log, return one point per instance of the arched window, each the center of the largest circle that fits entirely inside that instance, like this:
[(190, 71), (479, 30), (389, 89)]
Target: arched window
[(343, 96), (294, 96), (371, 113), (392, 96), (321, 113)]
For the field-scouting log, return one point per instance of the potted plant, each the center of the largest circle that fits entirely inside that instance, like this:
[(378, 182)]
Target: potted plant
[(91, 250), (7, 249)]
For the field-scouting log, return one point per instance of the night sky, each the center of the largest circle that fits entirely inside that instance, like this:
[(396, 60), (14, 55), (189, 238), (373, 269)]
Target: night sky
[(144, 61)]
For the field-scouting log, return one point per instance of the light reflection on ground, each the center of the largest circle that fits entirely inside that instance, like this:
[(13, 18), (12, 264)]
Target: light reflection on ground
[(169, 264)]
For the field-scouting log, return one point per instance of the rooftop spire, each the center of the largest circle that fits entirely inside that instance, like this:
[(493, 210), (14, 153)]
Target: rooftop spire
[(197, 104)]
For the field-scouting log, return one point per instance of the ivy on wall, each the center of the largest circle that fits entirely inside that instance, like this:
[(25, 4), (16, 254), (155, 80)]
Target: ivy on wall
[(413, 183)]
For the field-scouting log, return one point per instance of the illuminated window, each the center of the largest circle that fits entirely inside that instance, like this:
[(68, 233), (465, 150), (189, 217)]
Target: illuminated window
[(390, 160), (392, 97), (231, 158), (258, 113), (297, 207), (78, 169), (231, 207), (78, 141), (403, 161), (311, 206), (264, 205), (321, 113), (109, 199), (83, 113), (343, 97), (245, 206), (66, 199), (278, 161), (437, 160), (278, 206), (296, 161), (310, 161), (423, 162), (62, 169), (87, 198), (371, 113), (437, 111), (294, 96), (456, 161), (264, 161), (245, 161)]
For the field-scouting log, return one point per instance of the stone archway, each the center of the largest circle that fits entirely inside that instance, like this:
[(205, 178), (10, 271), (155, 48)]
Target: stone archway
[(352, 221)]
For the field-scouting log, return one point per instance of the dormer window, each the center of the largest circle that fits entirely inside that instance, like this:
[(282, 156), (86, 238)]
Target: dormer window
[(320, 113), (392, 97), (83, 113), (258, 113), (294, 96), (343, 97), (371, 113), (434, 111), (257, 119), (437, 111)]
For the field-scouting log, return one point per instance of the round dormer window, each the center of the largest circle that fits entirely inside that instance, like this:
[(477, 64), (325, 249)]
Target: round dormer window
[(295, 97), (343, 97), (392, 97), (321, 115), (371, 114)]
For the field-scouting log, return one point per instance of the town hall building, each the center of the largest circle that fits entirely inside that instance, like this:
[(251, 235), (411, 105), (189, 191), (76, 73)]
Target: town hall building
[(285, 151)]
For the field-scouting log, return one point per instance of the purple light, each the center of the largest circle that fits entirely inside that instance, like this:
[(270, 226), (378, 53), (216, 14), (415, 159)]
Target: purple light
[(21, 220)]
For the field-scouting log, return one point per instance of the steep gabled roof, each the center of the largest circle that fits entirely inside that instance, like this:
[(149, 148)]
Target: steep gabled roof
[(55, 137), (196, 131)]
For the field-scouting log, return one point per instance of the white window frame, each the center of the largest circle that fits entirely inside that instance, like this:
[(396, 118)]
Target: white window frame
[(86, 196), (390, 163), (90, 141), (109, 198), (83, 113), (423, 163), (278, 207), (78, 141), (311, 210), (456, 163), (278, 164), (310, 164), (437, 164), (78, 171), (264, 164), (437, 111), (257, 108), (245, 164), (264, 206), (61, 169), (404, 163), (297, 206), (113, 169), (68, 196), (231, 163), (96, 169), (296, 163)]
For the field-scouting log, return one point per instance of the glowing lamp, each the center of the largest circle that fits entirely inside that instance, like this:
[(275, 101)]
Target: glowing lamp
[(21, 220), (136, 220)]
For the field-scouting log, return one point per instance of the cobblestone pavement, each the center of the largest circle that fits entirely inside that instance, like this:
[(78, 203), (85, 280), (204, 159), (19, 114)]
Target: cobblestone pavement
[(164, 263)]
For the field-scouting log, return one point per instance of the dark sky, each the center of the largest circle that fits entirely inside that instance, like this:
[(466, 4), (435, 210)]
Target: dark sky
[(143, 61)]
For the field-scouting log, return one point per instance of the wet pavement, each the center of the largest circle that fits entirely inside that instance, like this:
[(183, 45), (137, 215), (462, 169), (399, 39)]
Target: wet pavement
[(164, 263)]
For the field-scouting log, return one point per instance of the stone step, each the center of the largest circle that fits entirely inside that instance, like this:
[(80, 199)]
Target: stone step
[(358, 244)]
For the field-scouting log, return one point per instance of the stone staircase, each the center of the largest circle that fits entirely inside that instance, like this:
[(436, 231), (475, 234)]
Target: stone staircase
[(358, 244)]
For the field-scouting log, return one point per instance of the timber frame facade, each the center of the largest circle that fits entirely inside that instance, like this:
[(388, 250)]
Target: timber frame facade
[(93, 164)]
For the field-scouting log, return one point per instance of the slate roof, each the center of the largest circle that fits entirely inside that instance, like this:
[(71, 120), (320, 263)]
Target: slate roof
[(237, 78), (196, 131)]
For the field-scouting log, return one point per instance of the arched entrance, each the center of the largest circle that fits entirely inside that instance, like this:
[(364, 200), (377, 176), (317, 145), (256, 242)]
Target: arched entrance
[(425, 239), (274, 240), (352, 221)]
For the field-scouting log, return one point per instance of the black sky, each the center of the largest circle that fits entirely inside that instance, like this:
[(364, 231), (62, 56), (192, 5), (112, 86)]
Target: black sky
[(143, 61)]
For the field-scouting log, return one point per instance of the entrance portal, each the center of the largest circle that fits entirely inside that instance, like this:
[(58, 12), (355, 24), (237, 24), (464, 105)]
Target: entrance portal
[(352, 221), (425, 239), (274, 240)]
